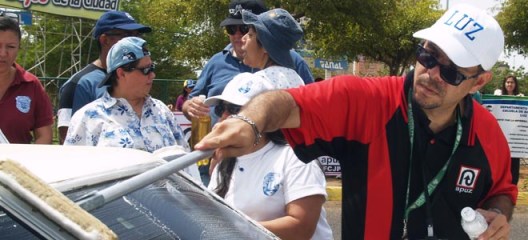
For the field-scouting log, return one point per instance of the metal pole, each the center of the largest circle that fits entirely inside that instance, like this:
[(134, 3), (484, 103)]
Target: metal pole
[(100, 198)]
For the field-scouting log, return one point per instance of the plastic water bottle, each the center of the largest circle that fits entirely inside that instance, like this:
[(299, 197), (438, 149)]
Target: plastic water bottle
[(473, 222)]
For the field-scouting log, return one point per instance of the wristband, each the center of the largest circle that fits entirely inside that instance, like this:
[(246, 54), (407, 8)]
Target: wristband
[(252, 124), (495, 210)]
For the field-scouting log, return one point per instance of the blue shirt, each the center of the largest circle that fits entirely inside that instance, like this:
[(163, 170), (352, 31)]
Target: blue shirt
[(223, 66)]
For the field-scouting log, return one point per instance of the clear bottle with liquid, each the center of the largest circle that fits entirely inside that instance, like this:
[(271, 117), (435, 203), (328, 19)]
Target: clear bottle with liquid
[(473, 222), (200, 126)]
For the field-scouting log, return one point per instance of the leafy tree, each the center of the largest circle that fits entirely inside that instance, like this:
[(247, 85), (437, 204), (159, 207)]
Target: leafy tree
[(512, 19), (500, 71), (379, 30), (49, 44), (186, 33)]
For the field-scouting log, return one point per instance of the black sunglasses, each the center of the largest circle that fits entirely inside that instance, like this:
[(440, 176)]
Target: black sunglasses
[(449, 73), (146, 70), (232, 29), (229, 107)]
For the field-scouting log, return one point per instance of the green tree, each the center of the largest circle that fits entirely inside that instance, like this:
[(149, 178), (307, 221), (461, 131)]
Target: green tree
[(188, 33), (49, 44), (379, 30), (500, 71), (512, 19), (185, 33)]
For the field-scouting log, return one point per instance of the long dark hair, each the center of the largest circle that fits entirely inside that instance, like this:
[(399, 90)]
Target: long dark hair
[(515, 89), (226, 167)]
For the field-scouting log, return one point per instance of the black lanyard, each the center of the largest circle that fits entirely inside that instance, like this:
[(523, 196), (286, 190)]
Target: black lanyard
[(431, 186)]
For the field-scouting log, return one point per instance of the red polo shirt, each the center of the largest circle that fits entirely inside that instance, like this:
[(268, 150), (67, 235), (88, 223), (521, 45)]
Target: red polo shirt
[(24, 107)]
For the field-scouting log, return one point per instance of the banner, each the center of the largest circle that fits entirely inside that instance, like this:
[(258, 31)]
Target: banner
[(331, 166), (512, 114), (90, 9)]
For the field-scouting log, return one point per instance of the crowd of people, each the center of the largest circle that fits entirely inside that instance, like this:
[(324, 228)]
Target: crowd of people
[(414, 150)]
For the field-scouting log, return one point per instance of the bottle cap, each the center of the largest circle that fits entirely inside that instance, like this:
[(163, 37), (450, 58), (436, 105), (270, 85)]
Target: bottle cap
[(468, 214)]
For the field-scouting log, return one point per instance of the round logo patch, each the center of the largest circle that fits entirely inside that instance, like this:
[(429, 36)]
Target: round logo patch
[(271, 183), (23, 103)]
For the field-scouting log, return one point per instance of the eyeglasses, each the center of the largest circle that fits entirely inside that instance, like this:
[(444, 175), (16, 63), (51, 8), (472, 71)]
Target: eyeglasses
[(146, 70), (229, 107), (124, 34), (232, 29), (449, 73)]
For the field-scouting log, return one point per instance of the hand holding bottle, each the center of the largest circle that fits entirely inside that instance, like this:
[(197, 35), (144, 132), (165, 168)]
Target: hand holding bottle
[(197, 108), (473, 223)]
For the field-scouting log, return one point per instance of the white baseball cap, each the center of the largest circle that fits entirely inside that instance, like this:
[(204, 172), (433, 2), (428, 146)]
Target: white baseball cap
[(241, 89), (468, 35)]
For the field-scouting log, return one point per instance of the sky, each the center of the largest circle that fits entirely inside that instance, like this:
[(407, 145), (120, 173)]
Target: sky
[(491, 6)]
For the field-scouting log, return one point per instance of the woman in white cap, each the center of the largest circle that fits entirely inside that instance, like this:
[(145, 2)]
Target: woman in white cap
[(271, 175), (292, 192), (126, 115)]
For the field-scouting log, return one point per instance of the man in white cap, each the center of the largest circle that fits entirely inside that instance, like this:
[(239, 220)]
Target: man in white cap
[(414, 150)]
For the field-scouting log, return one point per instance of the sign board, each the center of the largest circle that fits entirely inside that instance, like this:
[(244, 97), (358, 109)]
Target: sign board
[(331, 65), (512, 114), (90, 9), (331, 166), (25, 18)]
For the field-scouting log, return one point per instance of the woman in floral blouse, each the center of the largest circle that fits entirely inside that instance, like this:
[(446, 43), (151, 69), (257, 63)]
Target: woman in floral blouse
[(126, 115)]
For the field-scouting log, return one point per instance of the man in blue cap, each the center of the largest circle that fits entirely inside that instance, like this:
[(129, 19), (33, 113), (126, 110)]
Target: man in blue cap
[(81, 88)]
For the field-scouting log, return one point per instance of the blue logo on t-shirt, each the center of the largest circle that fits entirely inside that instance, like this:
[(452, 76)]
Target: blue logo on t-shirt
[(23, 103), (271, 184)]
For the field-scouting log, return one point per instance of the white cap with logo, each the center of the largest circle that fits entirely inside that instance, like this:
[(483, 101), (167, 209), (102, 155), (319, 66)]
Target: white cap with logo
[(467, 35), (241, 89)]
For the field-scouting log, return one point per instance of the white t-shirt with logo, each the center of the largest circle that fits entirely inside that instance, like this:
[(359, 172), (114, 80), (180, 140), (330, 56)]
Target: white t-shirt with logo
[(265, 181)]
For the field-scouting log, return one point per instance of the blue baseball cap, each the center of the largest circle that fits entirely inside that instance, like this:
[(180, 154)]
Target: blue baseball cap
[(125, 51), (278, 31), (118, 20)]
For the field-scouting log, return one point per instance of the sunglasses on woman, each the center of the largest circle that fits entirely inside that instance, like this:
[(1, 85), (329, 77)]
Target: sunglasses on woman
[(449, 73), (146, 70), (229, 107), (232, 29)]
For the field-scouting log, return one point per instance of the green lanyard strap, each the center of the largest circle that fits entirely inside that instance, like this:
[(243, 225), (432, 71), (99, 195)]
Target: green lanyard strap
[(431, 186)]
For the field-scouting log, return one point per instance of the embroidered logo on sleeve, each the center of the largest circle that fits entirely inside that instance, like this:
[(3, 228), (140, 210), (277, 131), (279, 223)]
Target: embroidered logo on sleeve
[(23, 103), (467, 178)]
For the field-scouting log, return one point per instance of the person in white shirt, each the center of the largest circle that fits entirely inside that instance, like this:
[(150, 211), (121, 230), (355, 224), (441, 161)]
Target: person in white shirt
[(292, 192)]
